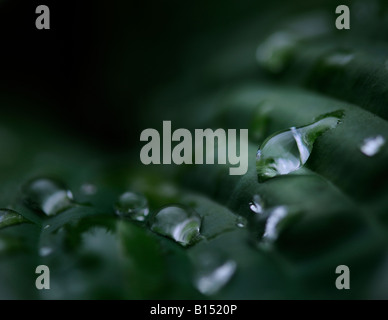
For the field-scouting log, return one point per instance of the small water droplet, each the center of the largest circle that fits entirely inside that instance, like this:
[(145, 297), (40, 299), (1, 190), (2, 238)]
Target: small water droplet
[(241, 222), (275, 52), (339, 59), (10, 217), (45, 251), (276, 215), (132, 205), (256, 205), (88, 189), (371, 146), (288, 150), (46, 226), (178, 223), (48, 195), (213, 272)]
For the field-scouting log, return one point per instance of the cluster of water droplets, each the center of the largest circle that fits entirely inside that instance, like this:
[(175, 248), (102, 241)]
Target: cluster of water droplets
[(212, 271), (176, 221)]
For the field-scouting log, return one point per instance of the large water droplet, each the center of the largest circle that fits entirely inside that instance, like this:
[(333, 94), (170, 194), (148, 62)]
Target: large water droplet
[(132, 205), (48, 195), (288, 150), (10, 217), (213, 272), (276, 215), (256, 205), (371, 146), (178, 223), (275, 52)]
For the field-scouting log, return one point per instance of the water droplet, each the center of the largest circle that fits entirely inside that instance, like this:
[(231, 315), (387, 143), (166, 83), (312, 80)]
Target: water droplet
[(275, 52), (45, 251), (132, 205), (276, 215), (48, 195), (288, 150), (371, 146), (52, 240), (339, 59), (178, 223), (256, 205), (88, 189), (10, 217), (241, 222), (213, 272)]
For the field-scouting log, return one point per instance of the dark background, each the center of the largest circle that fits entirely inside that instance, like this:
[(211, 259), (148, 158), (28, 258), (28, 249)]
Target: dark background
[(98, 62), (93, 70)]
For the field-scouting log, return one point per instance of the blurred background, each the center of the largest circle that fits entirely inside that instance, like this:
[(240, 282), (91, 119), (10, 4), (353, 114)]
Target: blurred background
[(99, 64), (74, 100)]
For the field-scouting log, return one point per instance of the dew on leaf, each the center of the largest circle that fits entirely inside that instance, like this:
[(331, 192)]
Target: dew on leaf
[(48, 196), (371, 146), (288, 150), (276, 215), (241, 222), (212, 272), (178, 223), (256, 205), (132, 205)]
